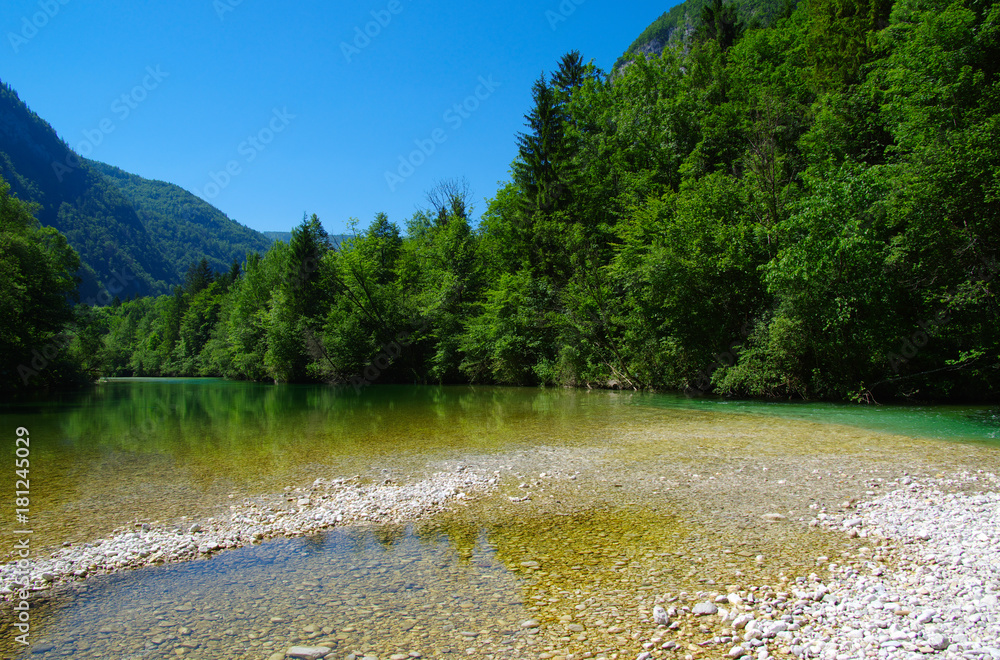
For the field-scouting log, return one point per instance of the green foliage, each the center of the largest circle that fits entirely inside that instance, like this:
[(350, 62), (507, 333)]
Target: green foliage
[(808, 209), (182, 227), (841, 35), (829, 329), (677, 26), (36, 281), (512, 338), (720, 22)]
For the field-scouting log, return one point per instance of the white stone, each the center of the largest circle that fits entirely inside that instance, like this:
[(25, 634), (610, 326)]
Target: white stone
[(704, 609), (307, 652), (937, 641)]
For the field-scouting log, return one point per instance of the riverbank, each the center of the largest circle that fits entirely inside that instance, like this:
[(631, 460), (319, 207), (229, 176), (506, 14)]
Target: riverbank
[(925, 583)]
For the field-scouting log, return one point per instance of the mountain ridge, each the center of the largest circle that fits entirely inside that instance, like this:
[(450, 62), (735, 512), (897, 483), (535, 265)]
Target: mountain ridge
[(124, 227)]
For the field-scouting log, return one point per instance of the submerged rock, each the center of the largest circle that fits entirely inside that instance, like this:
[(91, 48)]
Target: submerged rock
[(307, 652)]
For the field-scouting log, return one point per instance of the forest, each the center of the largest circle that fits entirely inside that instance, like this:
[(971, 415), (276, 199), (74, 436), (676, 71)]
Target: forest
[(807, 209)]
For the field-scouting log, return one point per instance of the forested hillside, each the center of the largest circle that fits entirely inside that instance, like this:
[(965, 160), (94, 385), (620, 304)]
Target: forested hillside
[(122, 226), (183, 227), (78, 201), (808, 209), (37, 323), (679, 25)]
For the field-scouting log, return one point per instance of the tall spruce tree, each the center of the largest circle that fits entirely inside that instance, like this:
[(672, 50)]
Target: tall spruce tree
[(539, 151)]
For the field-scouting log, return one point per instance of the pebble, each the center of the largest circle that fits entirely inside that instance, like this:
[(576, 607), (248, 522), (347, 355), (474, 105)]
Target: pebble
[(937, 641), (660, 616), (335, 502), (307, 652), (927, 578), (927, 594), (741, 621), (704, 609)]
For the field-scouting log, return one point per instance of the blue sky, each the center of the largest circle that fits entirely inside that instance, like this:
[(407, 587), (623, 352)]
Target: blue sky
[(268, 110)]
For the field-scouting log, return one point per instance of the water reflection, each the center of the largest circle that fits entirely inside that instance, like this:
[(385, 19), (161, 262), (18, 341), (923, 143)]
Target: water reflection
[(157, 449)]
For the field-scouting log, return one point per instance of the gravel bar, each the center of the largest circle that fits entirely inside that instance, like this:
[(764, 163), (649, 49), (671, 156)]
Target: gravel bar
[(296, 512), (926, 584)]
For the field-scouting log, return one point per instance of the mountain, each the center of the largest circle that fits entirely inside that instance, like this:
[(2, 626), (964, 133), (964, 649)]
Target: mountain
[(184, 227), (275, 236), (679, 24), (133, 235)]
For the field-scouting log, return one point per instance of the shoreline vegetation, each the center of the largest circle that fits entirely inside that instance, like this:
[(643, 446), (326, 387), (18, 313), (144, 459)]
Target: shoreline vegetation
[(805, 209)]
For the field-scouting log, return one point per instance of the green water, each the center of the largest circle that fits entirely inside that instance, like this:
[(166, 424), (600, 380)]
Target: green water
[(160, 449), (940, 422), (164, 451), (157, 449)]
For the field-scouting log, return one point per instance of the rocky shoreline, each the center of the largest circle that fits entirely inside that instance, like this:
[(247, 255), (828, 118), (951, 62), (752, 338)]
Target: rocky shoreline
[(296, 512), (922, 579), (927, 583)]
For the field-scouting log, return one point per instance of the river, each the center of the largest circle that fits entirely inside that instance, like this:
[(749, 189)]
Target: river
[(654, 495)]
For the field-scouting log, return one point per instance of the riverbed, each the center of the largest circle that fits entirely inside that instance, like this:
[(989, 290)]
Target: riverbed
[(594, 507)]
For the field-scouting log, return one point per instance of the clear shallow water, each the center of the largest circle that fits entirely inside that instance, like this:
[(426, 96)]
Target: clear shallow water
[(350, 589), (161, 449), (157, 450), (939, 422)]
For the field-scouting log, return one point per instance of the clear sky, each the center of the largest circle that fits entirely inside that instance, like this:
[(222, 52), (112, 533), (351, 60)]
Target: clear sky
[(306, 110)]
